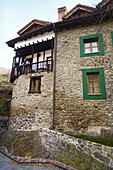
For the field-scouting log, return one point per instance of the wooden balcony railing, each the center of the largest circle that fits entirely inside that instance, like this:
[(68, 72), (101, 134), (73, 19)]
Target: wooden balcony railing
[(43, 66)]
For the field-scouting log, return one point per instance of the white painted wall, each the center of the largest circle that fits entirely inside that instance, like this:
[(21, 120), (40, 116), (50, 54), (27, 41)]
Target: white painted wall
[(34, 66), (39, 38), (47, 54)]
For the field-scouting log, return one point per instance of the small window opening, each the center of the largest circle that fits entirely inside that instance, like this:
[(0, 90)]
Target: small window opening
[(91, 46)]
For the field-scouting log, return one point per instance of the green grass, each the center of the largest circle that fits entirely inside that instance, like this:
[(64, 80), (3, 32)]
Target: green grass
[(4, 80), (100, 140)]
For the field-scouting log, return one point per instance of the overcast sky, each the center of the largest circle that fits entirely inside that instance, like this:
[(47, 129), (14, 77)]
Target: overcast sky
[(15, 14)]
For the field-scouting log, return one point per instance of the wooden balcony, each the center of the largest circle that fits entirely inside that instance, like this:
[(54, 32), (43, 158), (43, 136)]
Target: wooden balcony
[(43, 66)]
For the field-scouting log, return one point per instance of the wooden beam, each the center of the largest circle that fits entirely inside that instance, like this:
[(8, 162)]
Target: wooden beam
[(52, 47), (32, 52), (37, 59), (44, 56)]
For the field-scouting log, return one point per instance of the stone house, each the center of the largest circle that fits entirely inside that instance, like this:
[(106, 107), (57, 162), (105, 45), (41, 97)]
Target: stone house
[(66, 81)]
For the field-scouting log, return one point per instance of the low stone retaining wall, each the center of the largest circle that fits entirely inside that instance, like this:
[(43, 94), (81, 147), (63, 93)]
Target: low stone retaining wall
[(55, 147), (78, 153), (35, 161)]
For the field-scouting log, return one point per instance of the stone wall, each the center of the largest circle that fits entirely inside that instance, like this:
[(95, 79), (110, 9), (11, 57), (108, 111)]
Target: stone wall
[(73, 114), (4, 121), (32, 111), (5, 99), (80, 154), (56, 147)]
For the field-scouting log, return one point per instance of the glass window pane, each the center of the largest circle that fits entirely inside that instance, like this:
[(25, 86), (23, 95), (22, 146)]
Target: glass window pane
[(90, 90), (93, 77), (96, 89), (96, 83), (95, 49), (39, 85), (34, 85), (90, 84), (94, 44), (90, 77), (87, 50), (93, 82), (87, 45)]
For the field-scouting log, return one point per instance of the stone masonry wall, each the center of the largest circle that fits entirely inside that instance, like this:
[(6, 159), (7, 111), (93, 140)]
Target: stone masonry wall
[(73, 114), (31, 111), (5, 99), (4, 121), (78, 153)]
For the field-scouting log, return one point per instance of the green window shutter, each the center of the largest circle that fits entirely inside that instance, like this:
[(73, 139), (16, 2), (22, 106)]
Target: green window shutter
[(86, 96), (101, 45), (81, 47)]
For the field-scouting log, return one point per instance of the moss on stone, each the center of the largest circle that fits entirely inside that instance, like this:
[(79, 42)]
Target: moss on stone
[(77, 161), (99, 164), (83, 166), (29, 154), (60, 156)]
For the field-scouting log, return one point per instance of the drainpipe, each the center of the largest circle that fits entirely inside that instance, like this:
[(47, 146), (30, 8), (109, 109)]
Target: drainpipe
[(54, 81)]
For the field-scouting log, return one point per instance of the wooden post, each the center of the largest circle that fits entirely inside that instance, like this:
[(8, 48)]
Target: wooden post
[(43, 60), (32, 58), (52, 46)]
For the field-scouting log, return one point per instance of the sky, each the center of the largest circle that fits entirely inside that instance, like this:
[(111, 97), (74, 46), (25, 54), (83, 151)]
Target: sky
[(15, 14)]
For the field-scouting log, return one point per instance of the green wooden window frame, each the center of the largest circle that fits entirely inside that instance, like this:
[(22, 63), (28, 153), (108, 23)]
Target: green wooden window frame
[(87, 96), (88, 37), (112, 37)]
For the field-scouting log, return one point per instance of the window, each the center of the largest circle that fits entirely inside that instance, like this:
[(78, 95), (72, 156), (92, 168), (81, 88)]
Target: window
[(112, 37), (91, 45), (93, 84), (35, 85)]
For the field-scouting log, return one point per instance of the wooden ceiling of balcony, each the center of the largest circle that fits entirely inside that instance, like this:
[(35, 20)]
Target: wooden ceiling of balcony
[(35, 48)]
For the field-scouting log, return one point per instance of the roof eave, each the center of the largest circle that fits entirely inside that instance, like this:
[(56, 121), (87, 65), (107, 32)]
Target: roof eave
[(34, 21), (83, 21), (102, 3), (65, 24), (79, 6), (42, 30)]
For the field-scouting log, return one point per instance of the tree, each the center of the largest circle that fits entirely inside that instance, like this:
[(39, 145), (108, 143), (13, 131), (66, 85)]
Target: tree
[(95, 2)]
